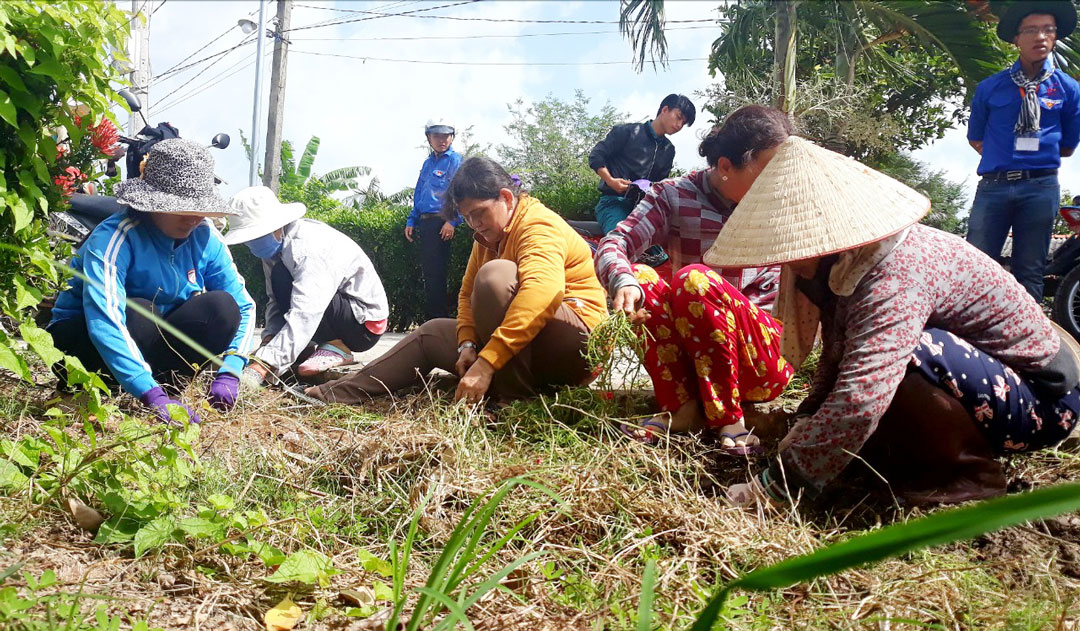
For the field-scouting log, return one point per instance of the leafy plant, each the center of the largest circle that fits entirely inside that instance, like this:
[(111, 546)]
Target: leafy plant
[(52, 85), (448, 587), (42, 608), (898, 539)]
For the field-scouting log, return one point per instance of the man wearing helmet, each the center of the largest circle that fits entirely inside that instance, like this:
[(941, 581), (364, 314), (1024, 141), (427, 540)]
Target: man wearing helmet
[(425, 221)]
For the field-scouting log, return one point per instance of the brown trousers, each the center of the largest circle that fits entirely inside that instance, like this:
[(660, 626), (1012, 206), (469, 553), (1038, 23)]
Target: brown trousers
[(555, 357)]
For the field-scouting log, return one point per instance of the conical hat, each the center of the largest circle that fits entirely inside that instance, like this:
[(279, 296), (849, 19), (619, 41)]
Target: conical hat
[(809, 202)]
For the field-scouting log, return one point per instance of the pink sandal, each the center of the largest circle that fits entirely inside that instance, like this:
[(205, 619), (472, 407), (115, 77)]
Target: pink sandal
[(322, 360)]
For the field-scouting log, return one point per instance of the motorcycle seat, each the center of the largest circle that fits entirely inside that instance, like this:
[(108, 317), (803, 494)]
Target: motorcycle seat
[(91, 210)]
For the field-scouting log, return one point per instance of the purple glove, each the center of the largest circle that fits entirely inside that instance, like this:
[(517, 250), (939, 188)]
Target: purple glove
[(223, 391), (159, 401)]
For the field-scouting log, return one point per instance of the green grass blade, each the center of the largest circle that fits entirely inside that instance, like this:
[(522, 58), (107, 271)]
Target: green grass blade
[(936, 529), (493, 581), (645, 603), (457, 613)]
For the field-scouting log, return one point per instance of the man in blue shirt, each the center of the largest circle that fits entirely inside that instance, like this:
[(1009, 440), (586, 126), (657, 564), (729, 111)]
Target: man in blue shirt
[(434, 233), (1023, 120)]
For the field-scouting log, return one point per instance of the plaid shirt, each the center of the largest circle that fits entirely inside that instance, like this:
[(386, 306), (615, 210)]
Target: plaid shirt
[(684, 215)]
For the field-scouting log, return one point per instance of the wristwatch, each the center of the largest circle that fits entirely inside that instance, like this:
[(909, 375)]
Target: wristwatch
[(466, 344)]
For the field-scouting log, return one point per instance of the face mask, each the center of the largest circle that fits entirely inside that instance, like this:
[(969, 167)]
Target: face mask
[(265, 247)]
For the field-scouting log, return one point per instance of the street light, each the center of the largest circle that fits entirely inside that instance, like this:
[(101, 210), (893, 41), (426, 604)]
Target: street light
[(248, 27)]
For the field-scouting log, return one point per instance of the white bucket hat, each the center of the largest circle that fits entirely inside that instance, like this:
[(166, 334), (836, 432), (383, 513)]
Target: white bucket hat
[(810, 202), (259, 212)]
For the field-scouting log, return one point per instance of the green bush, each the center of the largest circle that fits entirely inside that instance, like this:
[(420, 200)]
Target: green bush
[(571, 199)]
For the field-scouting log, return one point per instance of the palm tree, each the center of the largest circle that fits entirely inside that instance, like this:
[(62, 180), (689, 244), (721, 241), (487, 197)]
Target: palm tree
[(858, 28), (298, 173)]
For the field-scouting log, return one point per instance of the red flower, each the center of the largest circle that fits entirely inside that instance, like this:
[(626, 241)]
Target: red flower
[(69, 182), (104, 136)]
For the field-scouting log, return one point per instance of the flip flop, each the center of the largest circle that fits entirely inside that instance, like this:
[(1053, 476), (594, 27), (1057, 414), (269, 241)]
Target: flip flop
[(653, 430), (737, 449)]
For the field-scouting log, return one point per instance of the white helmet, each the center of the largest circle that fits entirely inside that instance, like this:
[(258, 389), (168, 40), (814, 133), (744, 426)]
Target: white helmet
[(438, 126)]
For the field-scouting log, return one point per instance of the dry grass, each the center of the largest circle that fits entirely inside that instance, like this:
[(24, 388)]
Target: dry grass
[(341, 479)]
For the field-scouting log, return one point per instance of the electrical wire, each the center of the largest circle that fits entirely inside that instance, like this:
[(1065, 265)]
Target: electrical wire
[(377, 16), (412, 14), (132, 18), (207, 58), (158, 8), (457, 37), (483, 63), (199, 74), (216, 79)]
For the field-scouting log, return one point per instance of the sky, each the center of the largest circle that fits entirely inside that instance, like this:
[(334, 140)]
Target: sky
[(371, 112)]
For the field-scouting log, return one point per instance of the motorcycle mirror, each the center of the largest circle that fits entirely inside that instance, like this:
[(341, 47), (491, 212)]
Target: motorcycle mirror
[(220, 141), (133, 101)]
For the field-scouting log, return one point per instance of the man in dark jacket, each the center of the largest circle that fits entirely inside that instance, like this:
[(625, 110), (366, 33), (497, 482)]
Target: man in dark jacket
[(636, 151)]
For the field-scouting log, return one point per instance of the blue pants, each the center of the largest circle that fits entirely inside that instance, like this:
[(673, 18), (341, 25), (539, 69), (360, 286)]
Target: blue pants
[(1029, 207), (1012, 414), (610, 210)]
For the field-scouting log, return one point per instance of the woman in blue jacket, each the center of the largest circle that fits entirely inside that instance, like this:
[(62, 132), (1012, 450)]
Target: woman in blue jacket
[(163, 255)]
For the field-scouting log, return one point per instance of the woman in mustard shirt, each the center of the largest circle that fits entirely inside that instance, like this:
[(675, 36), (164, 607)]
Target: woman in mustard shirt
[(527, 303)]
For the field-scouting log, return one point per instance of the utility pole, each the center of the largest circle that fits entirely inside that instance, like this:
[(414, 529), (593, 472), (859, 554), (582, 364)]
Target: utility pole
[(140, 58), (272, 162), (260, 34)]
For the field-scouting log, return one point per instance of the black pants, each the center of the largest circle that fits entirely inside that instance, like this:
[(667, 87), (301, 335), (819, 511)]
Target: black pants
[(211, 319), (338, 321), (434, 259)]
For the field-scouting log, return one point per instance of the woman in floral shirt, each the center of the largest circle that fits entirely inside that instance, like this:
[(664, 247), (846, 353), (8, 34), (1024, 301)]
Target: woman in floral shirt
[(712, 344), (925, 339)]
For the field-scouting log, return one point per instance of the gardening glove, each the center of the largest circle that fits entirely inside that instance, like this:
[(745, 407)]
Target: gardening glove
[(159, 402), (223, 391)]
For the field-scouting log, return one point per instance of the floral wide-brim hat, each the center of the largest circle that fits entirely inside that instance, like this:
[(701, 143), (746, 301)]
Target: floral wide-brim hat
[(177, 178)]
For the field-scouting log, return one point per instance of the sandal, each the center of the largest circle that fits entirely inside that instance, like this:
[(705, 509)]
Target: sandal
[(647, 433), (322, 360), (735, 449)]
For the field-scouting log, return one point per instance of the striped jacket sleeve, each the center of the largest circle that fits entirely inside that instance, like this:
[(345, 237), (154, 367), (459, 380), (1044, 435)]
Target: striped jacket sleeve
[(220, 273), (105, 262), (647, 225)]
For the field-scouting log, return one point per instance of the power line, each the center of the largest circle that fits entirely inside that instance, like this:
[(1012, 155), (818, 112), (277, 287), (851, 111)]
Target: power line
[(207, 58), (216, 79), (158, 8), (457, 37), (176, 68), (197, 75), (476, 19), (485, 63), (377, 15)]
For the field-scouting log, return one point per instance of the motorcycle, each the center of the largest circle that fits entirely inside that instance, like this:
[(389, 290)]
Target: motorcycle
[(87, 209), (1063, 275)]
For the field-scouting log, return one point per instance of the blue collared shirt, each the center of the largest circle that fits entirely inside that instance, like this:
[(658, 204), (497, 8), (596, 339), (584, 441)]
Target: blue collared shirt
[(996, 107), (434, 179)]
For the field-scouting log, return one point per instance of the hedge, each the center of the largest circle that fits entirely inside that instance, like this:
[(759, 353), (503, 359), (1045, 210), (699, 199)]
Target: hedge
[(380, 231)]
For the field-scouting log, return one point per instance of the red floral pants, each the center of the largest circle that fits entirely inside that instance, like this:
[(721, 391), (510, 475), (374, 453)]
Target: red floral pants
[(709, 343)]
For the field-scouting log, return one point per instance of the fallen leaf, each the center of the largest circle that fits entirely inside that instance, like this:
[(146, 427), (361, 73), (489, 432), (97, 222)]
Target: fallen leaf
[(360, 597), (283, 616), (85, 517)]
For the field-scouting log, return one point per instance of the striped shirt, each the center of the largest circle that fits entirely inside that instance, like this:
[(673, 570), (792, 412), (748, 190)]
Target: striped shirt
[(684, 215)]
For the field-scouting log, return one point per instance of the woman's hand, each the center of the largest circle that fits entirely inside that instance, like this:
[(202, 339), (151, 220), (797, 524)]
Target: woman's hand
[(626, 299), (466, 358), (474, 385)]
